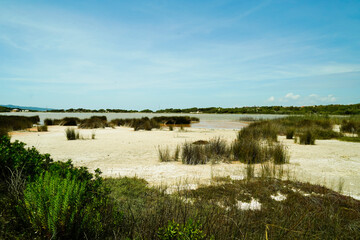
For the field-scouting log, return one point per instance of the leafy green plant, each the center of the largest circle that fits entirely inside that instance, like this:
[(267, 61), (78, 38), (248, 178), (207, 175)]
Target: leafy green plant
[(55, 207), (175, 231)]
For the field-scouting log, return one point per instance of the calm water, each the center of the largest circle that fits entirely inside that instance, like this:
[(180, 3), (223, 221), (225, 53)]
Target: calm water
[(218, 121)]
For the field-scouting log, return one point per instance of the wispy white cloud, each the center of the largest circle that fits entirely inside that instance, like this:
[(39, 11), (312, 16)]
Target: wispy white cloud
[(271, 99)]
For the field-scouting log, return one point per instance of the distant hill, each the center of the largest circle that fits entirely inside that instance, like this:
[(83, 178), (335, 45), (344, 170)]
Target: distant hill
[(27, 108)]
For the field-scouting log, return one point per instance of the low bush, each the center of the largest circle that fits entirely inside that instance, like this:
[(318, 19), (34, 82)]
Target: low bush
[(48, 122), (69, 121), (14, 156), (93, 122), (350, 139), (13, 123), (350, 126)]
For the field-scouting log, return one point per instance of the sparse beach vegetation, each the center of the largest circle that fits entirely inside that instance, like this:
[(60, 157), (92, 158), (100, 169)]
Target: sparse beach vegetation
[(14, 123), (72, 134), (94, 122), (55, 193), (42, 128)]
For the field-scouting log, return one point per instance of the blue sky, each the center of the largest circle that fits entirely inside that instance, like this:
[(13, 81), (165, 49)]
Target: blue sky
[(161, 54)]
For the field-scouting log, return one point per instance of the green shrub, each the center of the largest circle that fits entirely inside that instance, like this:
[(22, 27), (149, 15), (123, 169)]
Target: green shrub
[(4, 132), (56, 207), (175, 231), (48, 122), (350, 126), (307, 138), (14, 156)]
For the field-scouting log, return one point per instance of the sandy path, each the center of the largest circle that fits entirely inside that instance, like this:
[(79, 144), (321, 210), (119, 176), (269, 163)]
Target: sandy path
[(124, 152)]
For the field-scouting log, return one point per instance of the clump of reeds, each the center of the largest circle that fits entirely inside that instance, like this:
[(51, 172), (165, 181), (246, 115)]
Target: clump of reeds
[(248, 150), (165, 155), (289, 133), (13, 123), (69, 121), (280, 154), (193, 154), (71, 134), (307, 138), (217, 147), (42, 128), (94, 122)]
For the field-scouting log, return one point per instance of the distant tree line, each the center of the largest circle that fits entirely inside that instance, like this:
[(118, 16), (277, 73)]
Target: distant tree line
[(321, 109), (334, 109)]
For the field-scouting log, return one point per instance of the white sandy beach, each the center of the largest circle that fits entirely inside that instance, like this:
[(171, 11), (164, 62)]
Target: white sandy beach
[(125, 152)]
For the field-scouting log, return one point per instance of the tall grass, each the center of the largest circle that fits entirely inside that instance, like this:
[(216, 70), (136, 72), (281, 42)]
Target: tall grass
[(193, 154), (164, 155), (307, 138), (71, 134), (94, 122), (280, 154), (42, 128)]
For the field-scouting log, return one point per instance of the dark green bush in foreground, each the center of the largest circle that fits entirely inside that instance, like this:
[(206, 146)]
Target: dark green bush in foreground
[(49, 199)]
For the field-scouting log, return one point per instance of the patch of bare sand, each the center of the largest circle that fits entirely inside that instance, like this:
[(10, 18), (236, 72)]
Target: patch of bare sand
[(124, 152)]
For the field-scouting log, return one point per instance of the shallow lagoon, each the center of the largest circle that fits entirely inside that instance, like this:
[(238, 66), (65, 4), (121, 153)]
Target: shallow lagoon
[(212, 121)]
